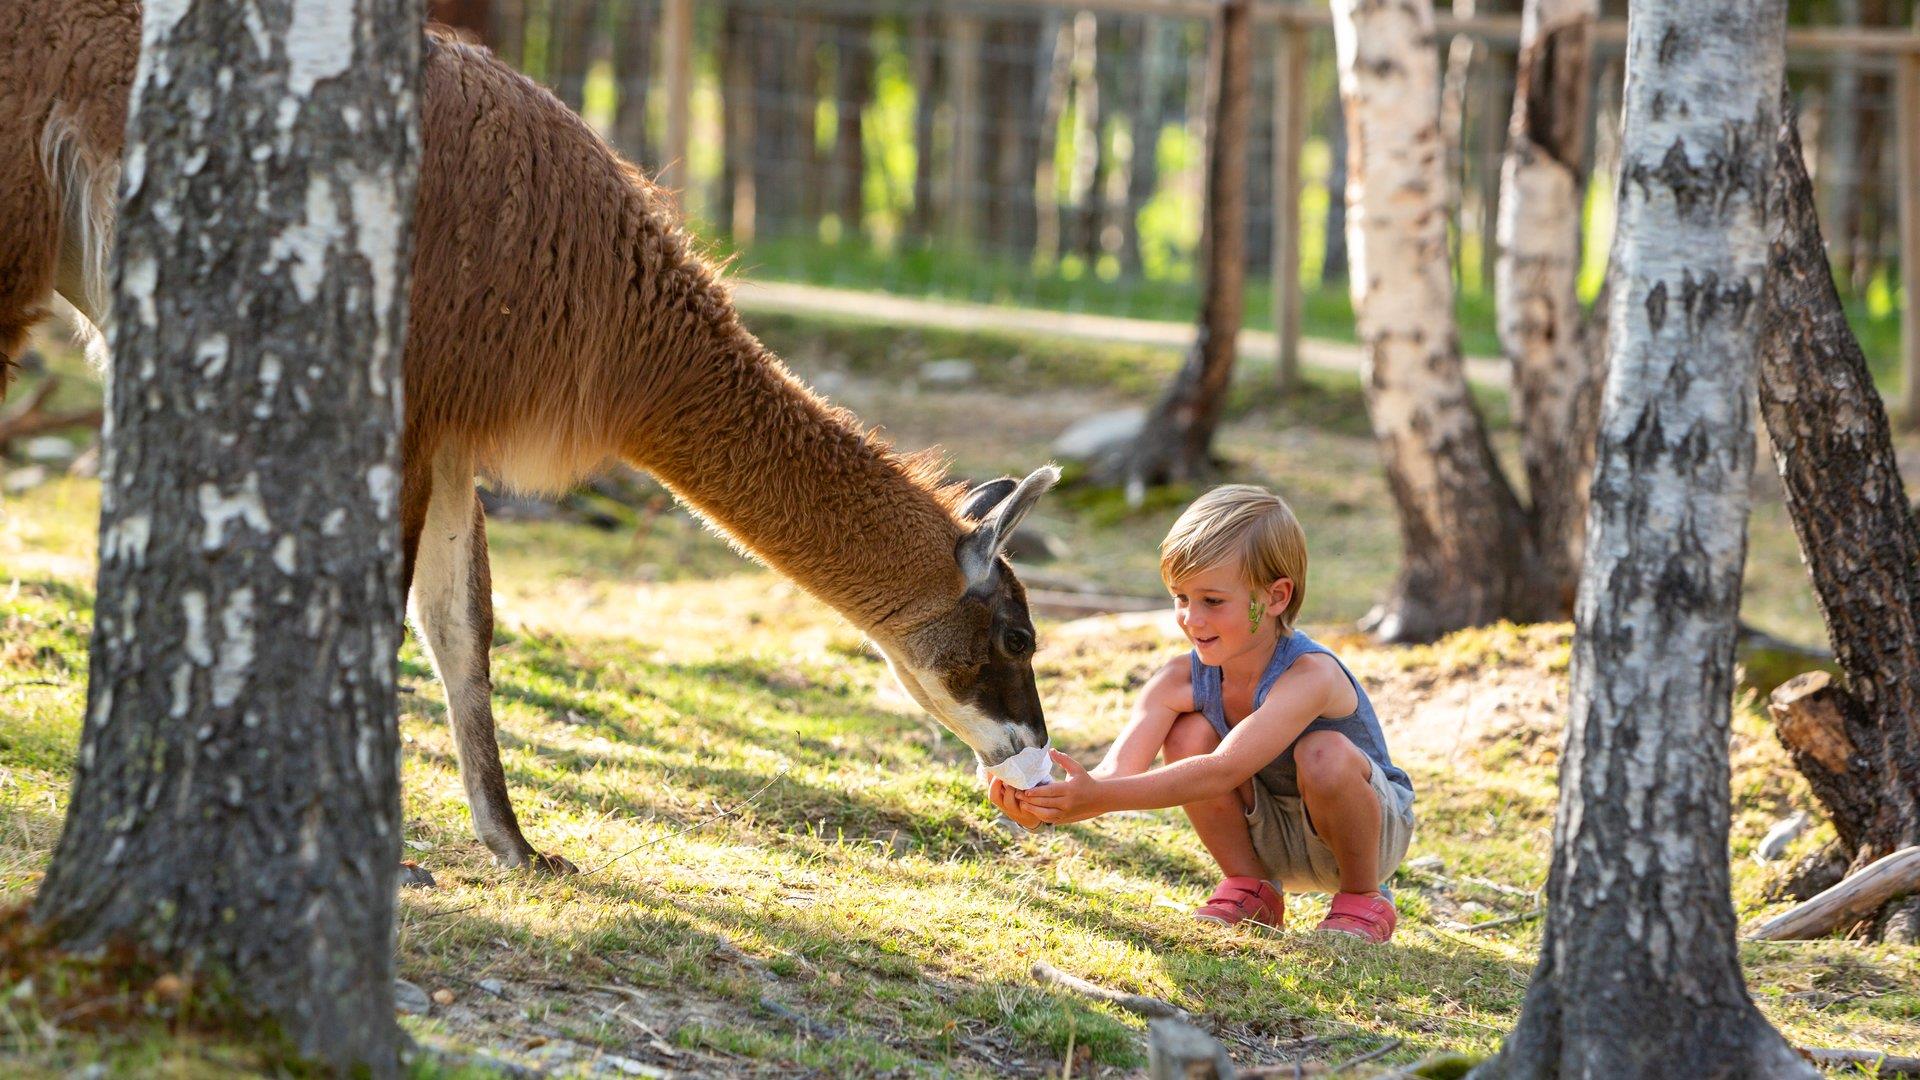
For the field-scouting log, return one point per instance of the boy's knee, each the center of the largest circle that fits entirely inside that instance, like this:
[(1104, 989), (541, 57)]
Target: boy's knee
[(1190, 736), (1326, 759)]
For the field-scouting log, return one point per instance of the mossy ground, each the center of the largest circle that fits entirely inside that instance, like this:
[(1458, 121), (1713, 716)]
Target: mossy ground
[(792, 871)]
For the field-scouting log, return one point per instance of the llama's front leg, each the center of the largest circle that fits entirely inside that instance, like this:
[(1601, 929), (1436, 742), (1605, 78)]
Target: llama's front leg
[(453, 606)]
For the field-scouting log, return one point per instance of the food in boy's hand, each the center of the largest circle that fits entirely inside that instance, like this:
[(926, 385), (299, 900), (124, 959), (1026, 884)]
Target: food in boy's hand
[(1027, 769)]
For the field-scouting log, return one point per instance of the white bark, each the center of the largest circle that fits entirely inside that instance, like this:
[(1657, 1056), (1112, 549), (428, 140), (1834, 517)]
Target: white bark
[(1459, 520), (1639, 972), (236, 807), (1539, 314)]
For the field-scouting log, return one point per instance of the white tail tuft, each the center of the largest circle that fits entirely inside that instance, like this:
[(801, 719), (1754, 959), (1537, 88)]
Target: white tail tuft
[(87, 187)]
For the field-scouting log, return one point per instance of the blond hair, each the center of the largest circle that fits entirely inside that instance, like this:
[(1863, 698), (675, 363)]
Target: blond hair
[(1249, 525)]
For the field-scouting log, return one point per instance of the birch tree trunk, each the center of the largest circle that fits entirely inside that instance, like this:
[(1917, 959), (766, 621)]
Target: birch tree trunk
[(236, 805), (1176, 443), (1465, 559), (1639, 972), (1849, 508), (1556, 391)]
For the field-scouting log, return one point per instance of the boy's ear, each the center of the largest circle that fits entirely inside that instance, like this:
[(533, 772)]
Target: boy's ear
[(1280, 592)]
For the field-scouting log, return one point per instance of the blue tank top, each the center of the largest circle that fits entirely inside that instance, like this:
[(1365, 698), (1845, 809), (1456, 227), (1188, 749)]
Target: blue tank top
[(1361, 726)]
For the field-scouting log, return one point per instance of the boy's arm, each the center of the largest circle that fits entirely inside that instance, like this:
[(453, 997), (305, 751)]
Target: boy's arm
[(1301, 695), (1168, 693)]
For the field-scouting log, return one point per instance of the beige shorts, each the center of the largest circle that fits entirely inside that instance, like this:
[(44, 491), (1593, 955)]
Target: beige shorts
[(1299, 860)]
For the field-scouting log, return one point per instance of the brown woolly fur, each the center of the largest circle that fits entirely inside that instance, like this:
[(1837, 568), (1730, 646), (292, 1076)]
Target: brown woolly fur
[(560, 319)]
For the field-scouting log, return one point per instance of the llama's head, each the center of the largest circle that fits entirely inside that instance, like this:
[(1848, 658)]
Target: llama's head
[(970, 663)]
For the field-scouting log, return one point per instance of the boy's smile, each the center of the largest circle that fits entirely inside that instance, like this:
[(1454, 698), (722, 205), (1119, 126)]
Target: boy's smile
[(1213, 607)]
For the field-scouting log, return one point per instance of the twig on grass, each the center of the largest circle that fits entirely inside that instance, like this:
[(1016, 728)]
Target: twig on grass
[(1382, 1050), (727, 812), (1137, 1004), (1524, 916), (16, 684), (1878, 1062)]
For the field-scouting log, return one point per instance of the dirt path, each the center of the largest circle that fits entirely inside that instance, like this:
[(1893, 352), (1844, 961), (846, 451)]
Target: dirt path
[(790, 298)]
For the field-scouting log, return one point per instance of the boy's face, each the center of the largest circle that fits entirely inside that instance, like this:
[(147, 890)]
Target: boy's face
[(1212, 608)]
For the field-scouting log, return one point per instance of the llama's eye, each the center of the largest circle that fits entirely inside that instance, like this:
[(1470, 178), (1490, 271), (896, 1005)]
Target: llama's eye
[(1017, 642)]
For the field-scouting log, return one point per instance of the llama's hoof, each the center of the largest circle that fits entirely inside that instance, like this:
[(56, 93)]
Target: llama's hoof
[(414, 876), (539, 863), (552, 864)]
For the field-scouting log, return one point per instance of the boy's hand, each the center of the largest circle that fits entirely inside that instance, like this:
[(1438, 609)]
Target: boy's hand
[(1002, 794), (1076, 798)]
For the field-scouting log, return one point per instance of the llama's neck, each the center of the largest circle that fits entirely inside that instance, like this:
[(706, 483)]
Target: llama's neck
[(796, 482)]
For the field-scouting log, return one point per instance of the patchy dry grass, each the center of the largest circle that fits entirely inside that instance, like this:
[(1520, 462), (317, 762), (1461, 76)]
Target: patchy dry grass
[(791, 871)]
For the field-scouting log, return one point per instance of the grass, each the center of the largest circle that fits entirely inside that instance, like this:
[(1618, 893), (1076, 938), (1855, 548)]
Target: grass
[(792, 870)]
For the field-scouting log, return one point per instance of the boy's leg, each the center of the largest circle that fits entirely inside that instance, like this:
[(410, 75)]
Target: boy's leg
[(1336, 784), (1221, 822)]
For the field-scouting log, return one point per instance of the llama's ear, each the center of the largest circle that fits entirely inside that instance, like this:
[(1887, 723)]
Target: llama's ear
[(982, 499), (1024, 496), (978, 548)]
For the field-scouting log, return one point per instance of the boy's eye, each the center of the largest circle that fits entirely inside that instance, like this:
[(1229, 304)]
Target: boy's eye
[(1214, 601)]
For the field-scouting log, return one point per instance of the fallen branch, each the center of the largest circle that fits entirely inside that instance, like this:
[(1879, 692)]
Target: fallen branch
[(31, 417), (1524, 916), (1382, 1050), (1877, 1062), (1137, 1004), (1848, 902)]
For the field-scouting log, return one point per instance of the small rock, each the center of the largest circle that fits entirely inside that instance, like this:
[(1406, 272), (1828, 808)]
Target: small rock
[(1427, 864), (1099, 435), (22, 480), (1784, 831), (50, 450), (169, 987), (410, 999), (614, 1063), (1028, 544), (494, 986), (87, 465), (414, 876), (443, 996), (948, 372)]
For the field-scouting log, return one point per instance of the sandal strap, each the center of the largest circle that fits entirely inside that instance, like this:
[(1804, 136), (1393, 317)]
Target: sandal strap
[(1236, 890), (1360, 909)]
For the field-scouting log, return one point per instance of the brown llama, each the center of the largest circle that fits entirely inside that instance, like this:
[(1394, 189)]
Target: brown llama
[(559, 321)]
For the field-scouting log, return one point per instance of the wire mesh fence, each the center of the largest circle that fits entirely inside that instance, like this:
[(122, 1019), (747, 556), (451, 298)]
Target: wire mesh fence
[(1048, 153)]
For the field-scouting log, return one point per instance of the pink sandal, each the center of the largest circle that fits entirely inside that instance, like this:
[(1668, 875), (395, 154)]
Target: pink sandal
[(1364, 915), (1244, 899)]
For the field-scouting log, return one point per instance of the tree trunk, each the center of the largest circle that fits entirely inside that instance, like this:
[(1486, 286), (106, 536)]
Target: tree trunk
[(1840, 131), (1046, 240), (1555, 389), (1263, 133), (853, 88), (924, 62), (1466, 560), (570, 49), (473, 19), (1015, 57), (1151, 43), (1333, 260), (740, 166), (1176, 444), (236, 806), (1083, 184), (633, 73), (1639, 971), (779, 149), (1835, 452)]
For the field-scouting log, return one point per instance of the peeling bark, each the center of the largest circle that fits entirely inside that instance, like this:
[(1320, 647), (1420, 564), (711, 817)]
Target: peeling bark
[(1639, 971), (1832, 442), (1465, 557), (1556, 387), (236, 805)]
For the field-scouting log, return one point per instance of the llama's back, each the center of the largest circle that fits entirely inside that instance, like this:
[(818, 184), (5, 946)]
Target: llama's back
[(548, 274), (554, 298)]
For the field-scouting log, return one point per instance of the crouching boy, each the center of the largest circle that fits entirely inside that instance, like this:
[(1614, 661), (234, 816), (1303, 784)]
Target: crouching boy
[(1271, 746)]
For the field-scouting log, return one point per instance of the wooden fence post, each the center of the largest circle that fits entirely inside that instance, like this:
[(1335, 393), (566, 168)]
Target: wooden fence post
[(1289, 132), (676, 39)]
